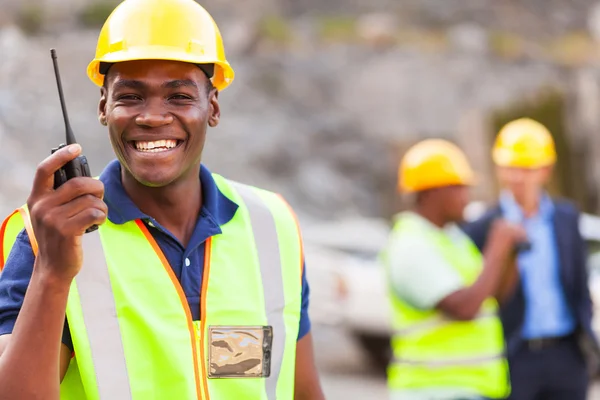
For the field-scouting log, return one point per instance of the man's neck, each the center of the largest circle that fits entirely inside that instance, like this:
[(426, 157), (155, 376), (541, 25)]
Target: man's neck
[(176, 206), (530, 204), (431, 215), (530, 208)]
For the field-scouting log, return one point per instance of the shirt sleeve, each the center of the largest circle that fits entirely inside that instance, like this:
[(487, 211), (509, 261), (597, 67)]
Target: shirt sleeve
[(420, 275), (304, 319), (14, 280)]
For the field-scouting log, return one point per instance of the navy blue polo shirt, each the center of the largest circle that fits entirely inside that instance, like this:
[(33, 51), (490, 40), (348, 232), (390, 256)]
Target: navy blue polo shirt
[(187, 263)]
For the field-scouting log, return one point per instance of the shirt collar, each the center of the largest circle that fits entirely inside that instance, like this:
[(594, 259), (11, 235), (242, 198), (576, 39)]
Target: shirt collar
[(121, 209), (513, 211), (424, 222)]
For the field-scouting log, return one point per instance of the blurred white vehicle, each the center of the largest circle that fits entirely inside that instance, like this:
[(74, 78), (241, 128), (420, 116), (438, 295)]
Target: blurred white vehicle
[(357, 300), (326, 284), (355, 284)]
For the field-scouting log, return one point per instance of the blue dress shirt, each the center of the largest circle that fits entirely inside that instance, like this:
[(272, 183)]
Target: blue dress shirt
[(547, 312)]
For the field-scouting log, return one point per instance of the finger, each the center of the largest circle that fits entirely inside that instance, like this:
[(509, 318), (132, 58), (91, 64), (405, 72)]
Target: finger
[(80, 204), (77, 187), (43, 180), (84, 219)]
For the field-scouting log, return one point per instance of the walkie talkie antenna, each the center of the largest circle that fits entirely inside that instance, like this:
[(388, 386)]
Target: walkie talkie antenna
[(69, 132)]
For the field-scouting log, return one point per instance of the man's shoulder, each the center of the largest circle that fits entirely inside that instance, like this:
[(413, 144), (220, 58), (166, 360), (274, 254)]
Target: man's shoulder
[(223, 181), (245, 190), (565, 206), (484, 219), (20, 256), (477, 229), (407, 243)]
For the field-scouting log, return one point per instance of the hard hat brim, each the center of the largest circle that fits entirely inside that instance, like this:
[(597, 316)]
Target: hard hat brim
[(506, 158), (470, 182), (160, 53)]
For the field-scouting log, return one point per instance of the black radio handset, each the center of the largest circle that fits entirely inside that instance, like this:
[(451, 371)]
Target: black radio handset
[(79, 166), (522, 247)]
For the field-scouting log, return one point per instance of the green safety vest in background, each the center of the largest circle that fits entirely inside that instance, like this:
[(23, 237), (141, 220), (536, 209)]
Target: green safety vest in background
[(431, 350), (131, 325)]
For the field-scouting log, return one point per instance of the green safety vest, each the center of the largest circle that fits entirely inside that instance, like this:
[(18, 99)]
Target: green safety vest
[(131, 325), (431, 350)]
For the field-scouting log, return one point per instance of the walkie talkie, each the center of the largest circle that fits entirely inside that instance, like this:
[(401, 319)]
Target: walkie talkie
[(79, 166), (523, 246)]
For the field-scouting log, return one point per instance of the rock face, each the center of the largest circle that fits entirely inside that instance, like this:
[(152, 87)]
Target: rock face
[(323, 124)]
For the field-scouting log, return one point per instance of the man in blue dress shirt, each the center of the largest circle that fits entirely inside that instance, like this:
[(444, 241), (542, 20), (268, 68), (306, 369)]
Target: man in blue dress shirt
[(547, 316)]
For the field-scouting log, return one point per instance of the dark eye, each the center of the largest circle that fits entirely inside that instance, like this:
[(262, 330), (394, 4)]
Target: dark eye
[(180, 96), (129, 97)]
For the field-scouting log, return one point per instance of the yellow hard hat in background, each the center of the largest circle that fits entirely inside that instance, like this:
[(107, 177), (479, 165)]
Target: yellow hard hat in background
[(524, 143), (434, 163), (178, 30)]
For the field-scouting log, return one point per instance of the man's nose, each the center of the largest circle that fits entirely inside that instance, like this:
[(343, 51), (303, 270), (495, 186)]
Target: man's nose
[(154, 115), (518, 176)]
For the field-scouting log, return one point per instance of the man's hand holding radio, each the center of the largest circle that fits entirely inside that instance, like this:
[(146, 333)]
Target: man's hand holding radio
[(60, 217)]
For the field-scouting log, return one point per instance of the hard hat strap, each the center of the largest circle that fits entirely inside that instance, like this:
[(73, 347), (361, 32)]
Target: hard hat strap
[(104, 67), (208, 69)]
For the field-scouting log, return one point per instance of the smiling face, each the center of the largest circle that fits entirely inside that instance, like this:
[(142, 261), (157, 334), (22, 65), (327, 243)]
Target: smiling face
[(157, 114)]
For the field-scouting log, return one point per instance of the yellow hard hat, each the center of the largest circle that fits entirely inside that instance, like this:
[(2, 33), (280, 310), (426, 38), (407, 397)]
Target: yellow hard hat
[(434, 163), (524, 143), (178, 30)]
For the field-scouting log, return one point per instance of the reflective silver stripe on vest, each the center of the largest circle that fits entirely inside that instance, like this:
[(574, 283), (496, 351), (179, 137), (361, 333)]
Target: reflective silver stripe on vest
[(449, 363), (438, 321), (267, 247), (101, 322)]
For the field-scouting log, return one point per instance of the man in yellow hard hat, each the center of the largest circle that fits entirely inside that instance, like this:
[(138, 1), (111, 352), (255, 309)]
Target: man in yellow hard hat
[(549, 311), (193, 286), (447, 342)]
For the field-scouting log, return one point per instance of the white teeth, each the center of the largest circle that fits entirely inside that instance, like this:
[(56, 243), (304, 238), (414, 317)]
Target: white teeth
[(156, 145)]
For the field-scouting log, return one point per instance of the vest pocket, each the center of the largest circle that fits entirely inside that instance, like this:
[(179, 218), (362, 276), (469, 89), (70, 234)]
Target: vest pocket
[(239, 351)]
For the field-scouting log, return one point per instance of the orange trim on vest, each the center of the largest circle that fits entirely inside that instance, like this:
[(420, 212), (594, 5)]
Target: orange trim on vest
[(205, 277), (29, 228), (2, 233), (301, 243), (182, 297)]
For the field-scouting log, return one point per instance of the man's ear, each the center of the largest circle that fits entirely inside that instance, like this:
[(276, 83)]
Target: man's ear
[(102, 106), (547, 173), (215, 109)]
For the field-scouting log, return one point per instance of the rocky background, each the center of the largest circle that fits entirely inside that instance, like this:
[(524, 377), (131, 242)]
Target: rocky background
[(327, 94)]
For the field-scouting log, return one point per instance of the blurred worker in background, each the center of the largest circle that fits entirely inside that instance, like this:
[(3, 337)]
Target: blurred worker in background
[(448, 341), (189, 279), (549, 311)]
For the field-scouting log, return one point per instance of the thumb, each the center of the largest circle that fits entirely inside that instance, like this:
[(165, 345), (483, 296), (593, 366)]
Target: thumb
[(44, 175)]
